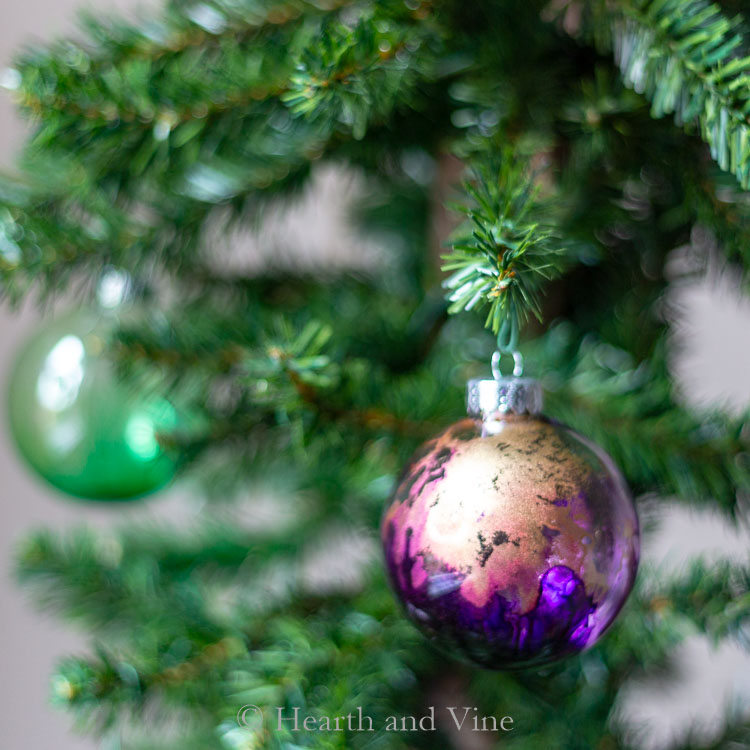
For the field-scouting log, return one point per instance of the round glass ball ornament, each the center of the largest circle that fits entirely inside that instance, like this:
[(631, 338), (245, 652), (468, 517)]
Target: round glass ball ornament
[(76, 424), (511, 541)]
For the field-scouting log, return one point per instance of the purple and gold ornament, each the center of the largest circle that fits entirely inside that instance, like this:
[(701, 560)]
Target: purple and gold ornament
[(511, 540)]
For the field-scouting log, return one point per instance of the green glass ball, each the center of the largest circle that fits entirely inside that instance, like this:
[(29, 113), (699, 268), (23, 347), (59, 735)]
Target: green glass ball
[(79, 426)]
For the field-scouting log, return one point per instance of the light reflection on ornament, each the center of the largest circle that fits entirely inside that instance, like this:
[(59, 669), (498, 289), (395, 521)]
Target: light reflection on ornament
[(62, 374), (141, 436), (140, 431), (65, 435)]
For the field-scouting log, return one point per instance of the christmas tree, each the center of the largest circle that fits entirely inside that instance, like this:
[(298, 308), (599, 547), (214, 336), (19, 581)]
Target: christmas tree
[(537, 162)]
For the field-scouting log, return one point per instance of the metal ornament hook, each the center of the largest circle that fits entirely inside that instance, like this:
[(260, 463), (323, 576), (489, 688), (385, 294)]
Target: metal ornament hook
[(517, 365)]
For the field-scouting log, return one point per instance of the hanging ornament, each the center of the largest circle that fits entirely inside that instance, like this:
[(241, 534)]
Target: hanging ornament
[(511, 540), (75, 423)]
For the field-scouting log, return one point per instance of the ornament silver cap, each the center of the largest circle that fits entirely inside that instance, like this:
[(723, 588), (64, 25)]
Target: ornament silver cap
[(507, 395), (504, 394)]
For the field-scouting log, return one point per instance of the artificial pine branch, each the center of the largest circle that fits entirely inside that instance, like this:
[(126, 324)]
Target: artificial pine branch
[(504, 256), (714, 597), (271, 664), (313, 67), (690, 60), (112, 43), (139, 149)]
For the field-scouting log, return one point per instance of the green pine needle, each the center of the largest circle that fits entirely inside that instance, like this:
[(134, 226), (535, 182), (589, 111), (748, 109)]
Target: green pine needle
[(690, 60), (503, 257)]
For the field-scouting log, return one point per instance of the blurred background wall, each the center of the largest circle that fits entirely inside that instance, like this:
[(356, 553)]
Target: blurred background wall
[(31, 643), (712, 364)]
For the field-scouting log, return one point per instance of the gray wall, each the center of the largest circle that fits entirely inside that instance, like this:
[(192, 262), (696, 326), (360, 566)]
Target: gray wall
[(29, 642)]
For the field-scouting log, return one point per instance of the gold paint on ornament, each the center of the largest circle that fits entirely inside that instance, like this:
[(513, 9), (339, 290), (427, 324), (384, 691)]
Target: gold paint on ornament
[(505, 508)]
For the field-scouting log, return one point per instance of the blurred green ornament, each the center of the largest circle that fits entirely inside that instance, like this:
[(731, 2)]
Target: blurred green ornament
[(81, 428)]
